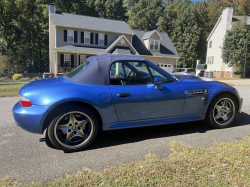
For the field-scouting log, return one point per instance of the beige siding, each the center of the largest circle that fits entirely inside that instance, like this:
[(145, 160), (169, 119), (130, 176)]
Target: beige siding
[(155, 36), (161, 60), (60, 37)]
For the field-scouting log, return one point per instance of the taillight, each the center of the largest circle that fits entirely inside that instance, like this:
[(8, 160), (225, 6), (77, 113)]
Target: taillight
[(24, 101), (187, 72)]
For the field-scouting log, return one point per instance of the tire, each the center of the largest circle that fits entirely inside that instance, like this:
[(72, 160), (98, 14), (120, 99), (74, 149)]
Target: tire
[(73, 129), (222, 111)]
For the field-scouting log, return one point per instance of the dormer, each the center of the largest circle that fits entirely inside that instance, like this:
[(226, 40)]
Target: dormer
[(152, 40)]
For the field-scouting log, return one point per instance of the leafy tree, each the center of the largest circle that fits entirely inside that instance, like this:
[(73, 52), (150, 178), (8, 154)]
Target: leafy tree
[(114, 9), (188, 33), (234, 46), (145, 14)]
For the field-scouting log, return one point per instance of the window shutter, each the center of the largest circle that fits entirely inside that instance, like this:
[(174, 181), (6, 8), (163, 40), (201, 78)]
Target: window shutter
[(65, 35), (91, 38), (106, 39), (82, 37), (72, 61), (75, 36), (62, 59), (96, 38)]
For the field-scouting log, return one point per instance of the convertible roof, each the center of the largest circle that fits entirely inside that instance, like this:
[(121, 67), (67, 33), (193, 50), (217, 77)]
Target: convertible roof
[(97, 72)]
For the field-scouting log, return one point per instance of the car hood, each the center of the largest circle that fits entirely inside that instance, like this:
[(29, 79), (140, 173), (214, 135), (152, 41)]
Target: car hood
[(192, 78)]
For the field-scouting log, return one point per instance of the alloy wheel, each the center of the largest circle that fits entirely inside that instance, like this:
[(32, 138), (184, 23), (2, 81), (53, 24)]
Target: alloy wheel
[(73, 129)]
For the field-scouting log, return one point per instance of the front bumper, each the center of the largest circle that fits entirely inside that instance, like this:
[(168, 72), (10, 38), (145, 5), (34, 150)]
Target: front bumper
[(29, 118)]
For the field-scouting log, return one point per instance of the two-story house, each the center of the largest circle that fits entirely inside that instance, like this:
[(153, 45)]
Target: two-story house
[(73, 38), (215, 40)]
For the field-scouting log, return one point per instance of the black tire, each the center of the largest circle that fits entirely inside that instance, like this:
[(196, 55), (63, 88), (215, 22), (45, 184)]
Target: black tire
[(211, 116), (80, 111)]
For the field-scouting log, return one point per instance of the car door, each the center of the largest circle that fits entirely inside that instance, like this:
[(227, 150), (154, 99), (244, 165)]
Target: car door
[(136, 97)]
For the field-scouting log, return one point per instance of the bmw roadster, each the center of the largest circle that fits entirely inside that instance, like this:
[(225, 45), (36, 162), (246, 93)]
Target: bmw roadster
[(109, 92)]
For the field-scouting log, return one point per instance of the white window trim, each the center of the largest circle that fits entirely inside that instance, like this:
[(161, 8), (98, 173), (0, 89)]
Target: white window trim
[(99, 38), (210, 60), (69, 59), (80, 58), (154, 45), (86, 37), (70, 36)]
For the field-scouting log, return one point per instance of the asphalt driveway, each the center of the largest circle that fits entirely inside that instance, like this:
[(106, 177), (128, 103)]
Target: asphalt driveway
[(28, 157)]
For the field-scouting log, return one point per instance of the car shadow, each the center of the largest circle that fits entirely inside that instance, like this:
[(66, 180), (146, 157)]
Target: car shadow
[(125, 136)]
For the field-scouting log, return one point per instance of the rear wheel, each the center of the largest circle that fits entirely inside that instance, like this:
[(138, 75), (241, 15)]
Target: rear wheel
[(222, 111), (73, 129)]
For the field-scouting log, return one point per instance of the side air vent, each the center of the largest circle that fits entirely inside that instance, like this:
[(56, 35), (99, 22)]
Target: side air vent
[(197, 92)]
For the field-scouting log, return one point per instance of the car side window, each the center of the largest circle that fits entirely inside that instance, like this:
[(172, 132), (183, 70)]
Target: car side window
[(129, 73), (157, 74)]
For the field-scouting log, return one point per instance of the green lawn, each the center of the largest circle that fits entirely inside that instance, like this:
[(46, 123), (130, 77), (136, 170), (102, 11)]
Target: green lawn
[(10, 89), (223, 164)]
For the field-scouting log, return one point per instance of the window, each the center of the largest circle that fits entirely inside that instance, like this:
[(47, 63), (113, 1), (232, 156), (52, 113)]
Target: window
[(66, 60), (70, 36), (154, 44), (210, 44), (78, 69), (130, 73), (101, 39), (82, 58), (210, 60), (87, 37), (157, 74)]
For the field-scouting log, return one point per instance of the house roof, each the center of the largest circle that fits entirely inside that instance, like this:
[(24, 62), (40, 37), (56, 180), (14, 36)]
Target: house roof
[(81, 48), (122, 50), (240, 18), (167, 48), (91, 23), (148, 34), (117, 40)]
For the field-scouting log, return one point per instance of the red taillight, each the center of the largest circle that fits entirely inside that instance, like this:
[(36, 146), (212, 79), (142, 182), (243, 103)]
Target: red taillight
[(24, 102), (187, 72)]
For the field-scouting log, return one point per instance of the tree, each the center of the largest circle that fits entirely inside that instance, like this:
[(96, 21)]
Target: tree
[(234, 46), (145, 14), (114, 9)]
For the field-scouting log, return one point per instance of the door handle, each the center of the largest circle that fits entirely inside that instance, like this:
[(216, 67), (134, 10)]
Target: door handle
[(123, 94)]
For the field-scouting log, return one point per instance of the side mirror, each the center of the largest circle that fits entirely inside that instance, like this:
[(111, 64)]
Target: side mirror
[(158, 82)]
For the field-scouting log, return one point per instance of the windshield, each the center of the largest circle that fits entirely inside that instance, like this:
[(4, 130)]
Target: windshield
[(78, 69)]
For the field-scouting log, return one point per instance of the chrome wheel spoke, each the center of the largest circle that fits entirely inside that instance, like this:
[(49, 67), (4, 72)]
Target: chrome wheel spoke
[(70, 135), (82, 124), (218, 116), (72, 118), (218, 108), (64, 127), (81, 134)]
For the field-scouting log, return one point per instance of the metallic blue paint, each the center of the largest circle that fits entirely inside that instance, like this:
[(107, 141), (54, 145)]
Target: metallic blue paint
[(147, 105)]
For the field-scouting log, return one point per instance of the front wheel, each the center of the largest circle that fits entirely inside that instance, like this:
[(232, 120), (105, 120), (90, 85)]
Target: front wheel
[(73, 129), (222, 111)]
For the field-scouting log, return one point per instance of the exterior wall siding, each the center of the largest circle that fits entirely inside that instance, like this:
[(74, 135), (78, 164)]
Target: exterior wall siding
[(60, 37), (217, 39)]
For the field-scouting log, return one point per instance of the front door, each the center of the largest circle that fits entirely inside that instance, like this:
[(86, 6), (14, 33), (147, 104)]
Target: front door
[(136, 97)]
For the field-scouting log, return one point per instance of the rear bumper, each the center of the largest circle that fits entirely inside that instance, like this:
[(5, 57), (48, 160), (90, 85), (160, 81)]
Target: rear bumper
[(29, 118)]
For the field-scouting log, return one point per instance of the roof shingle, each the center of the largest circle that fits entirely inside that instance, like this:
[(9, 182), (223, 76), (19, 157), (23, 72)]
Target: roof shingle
[(91, 23)]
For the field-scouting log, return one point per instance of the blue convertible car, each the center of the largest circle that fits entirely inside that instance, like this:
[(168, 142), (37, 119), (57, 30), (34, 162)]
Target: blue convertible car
[(109, 92)]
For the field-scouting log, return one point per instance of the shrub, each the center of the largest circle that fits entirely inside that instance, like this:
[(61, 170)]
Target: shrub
[(35, 78), (17, 76)]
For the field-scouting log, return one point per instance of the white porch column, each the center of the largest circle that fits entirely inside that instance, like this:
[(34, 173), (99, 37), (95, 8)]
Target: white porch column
[(77, 56), (56, 67)]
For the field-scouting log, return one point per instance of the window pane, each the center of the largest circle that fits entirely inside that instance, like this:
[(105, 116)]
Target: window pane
[(158, 74), (70, 33), (67, 57), (87, 34), (129, 73), (78, 69), (156, 44), (151, 44)]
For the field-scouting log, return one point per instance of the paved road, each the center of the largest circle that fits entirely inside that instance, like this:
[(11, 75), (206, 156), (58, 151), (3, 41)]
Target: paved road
[(26, 157)]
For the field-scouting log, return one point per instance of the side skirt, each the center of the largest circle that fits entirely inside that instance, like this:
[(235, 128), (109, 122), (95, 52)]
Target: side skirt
[(151, 122)]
